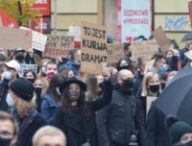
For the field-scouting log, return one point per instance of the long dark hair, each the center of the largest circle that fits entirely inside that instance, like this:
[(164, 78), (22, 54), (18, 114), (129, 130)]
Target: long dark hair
[(57, 80), (81, 103)]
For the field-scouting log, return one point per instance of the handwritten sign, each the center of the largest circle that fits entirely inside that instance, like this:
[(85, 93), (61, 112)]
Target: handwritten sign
[(27, 67), (144, 49), (11, 38), (58, 46), (38, 41), (94, 48), (115, 52), (161, 38)]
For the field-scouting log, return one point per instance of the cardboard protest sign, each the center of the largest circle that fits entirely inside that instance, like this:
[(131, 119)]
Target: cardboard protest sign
[(144, 49), (58, 46), (26, 67), (161, 38), (190, 11), (1, 23), (38, 41), (94, 48), (11, 38), (115, 52)]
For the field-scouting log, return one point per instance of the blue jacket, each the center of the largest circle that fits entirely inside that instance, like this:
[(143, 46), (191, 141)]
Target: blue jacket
[(48, 107), (70, 65)]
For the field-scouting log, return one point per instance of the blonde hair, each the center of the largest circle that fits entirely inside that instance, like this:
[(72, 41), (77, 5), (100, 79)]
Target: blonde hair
[(148, 76), (23, 107), (48, 131)]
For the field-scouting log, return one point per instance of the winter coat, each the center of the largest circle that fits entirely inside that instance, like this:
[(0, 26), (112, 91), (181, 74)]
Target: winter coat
[(3, 94), (114, 128), (48, 107), (157, 131), (78, 126), (26, 134), (138, 83)]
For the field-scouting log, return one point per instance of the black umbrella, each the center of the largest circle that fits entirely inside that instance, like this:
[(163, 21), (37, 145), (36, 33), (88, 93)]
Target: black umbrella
[(176, 99), (187, 70)]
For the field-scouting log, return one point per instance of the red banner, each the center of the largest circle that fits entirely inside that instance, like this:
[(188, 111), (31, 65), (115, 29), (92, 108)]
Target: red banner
[(7, 21), (43, 6), (42, 25)]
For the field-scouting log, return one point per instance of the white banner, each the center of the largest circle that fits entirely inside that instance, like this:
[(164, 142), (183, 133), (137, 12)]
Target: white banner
[(134, 19), (38, 41)]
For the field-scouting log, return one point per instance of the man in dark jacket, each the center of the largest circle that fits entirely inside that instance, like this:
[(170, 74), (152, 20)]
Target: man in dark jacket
[(116, 123)]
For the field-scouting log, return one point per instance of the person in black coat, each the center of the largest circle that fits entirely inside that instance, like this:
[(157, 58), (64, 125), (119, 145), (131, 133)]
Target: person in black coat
[(121, 119), (157, 130), (21, 90), (76, 118)]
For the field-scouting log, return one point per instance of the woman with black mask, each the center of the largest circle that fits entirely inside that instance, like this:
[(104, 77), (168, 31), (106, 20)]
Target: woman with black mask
[(151, 89), (30, 76), (40, 85)]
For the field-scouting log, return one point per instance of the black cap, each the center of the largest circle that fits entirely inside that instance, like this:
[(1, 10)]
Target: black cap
[(23, 89)]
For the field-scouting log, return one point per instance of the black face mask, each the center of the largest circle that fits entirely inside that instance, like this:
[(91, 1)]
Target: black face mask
[(31, 80), (38, 91), (169, 60), (5, 142), (19, 57), (127, 88), (154, 88)]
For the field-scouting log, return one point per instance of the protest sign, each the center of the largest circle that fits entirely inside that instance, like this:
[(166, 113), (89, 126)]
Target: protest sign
[(94, 48), (58, 46), (144, 49), (11, 38), (161, 38), (27, 67), (115, 52), (190, 11), (134, 19), (38, 41)]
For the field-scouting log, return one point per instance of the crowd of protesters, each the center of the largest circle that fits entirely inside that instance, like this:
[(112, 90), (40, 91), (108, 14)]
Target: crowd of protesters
[(60, 106)]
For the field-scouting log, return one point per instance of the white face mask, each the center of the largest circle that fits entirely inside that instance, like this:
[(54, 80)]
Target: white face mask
[(43, 69), (6, 75), (9, 100)]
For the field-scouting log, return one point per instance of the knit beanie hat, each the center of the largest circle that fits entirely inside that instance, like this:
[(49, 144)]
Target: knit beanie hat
[(23, 89), (177, 130)]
